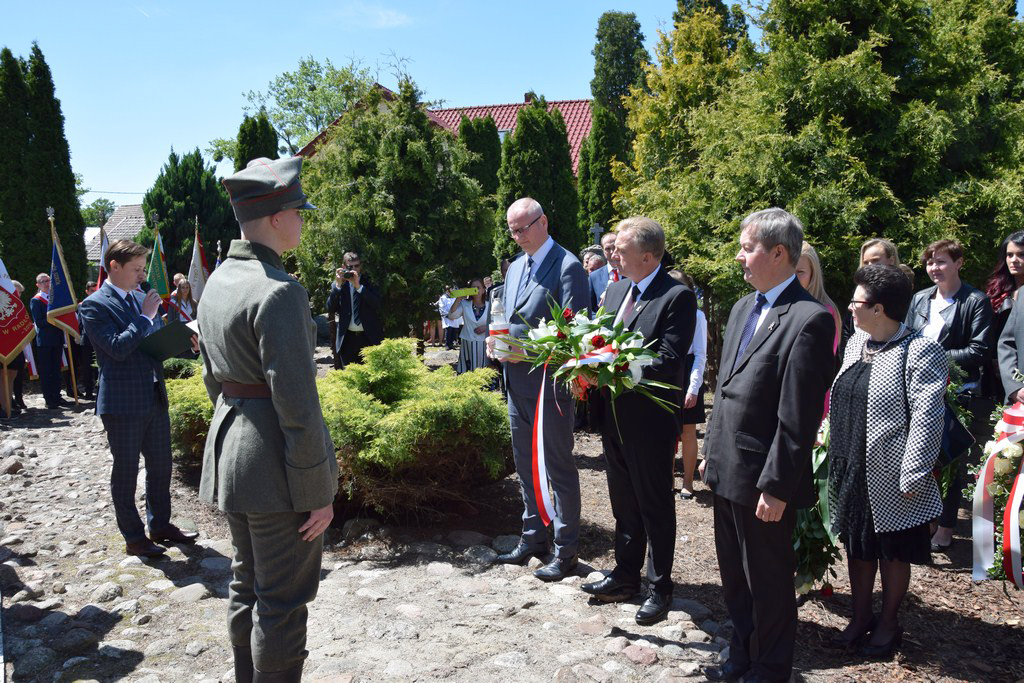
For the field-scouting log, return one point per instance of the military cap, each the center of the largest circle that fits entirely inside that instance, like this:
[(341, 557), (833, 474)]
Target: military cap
[(266, 186)]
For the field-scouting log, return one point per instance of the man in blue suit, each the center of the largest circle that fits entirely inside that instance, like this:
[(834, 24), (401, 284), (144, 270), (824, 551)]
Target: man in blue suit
[(49, 343), (605, 275), (546, 272), (132, 399)]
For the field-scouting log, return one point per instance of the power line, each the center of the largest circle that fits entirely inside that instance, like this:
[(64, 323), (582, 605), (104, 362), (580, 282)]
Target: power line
[(108, 192)]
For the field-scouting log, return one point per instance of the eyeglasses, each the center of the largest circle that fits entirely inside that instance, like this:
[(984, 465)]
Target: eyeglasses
[(855, 302), (516, 232)]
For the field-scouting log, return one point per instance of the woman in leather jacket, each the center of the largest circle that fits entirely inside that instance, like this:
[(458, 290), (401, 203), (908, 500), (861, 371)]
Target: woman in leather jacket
[(958, 317)]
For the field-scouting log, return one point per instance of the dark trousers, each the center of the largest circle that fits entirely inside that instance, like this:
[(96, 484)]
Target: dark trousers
[(275, 575), (85, 370), (351, 344), (756, 563), (17, 374), (451, 335), (981, 410), (150, 435), (643, 504), (48, 367)]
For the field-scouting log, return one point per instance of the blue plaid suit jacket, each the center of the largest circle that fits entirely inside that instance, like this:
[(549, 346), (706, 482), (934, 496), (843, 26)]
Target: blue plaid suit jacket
[(126, 374)]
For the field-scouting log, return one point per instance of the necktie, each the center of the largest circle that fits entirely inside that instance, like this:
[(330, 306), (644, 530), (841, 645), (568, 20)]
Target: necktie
[(132, 304), (749, 326), (526, 277), (615, 274), (631, 304), (355, 306)]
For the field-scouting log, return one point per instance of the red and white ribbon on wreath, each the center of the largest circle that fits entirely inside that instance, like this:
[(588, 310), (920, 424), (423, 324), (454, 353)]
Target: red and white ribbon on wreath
[(1011, 431), (540, 472), (605, 354)]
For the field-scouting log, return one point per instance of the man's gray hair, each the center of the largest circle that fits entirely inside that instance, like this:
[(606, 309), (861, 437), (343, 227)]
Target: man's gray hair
[(777, 226), (647, 233)]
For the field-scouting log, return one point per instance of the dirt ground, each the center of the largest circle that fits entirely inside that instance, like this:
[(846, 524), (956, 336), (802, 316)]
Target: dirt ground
[(955, 629)]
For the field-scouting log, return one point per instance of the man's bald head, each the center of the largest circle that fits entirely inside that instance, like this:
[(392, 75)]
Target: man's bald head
[(527, 224)]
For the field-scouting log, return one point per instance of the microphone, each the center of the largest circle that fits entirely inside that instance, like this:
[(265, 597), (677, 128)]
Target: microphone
[(145, 286)]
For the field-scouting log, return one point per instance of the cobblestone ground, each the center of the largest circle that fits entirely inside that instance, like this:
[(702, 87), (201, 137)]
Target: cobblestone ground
[(390, 608)]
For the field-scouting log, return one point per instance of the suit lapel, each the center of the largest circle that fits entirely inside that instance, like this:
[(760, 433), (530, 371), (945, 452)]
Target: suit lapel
[(732, 340), (654, 290), (540, 271), (770, 324), (613, 298)]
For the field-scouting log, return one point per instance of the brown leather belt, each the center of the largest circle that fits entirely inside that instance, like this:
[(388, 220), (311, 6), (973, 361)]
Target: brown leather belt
[(238, 390)]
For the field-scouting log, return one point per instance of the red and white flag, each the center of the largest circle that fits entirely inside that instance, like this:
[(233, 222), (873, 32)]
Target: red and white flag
[(16, 328)]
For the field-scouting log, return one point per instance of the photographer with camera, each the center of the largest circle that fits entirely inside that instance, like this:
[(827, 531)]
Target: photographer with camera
[(353, 305)]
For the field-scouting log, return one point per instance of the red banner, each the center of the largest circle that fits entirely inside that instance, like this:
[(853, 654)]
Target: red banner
[(16, 328)]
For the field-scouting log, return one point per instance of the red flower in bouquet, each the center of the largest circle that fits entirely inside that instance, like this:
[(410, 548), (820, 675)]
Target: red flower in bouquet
[(560, 334), (598, 341), (567, 314)]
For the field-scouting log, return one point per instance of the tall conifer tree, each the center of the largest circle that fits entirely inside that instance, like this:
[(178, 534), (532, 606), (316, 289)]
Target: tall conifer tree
[(480, 136), (256, 138), (51, 181), (23, 255), (604, 145)]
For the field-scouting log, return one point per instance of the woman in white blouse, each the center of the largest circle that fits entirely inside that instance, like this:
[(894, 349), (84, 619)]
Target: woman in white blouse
[(475, 313), (693, 404)]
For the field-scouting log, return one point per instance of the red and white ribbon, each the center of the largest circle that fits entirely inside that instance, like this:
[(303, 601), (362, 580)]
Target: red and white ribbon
[(605, 354), (541, 494), (1011, 431)]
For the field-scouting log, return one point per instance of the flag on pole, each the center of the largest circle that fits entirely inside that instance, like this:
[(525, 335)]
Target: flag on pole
[(198, 271), (103, 257), (60, 309), (158, 270), (16, 328)]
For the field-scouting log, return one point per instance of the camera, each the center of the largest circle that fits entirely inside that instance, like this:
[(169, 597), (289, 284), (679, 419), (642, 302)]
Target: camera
[(348, 274)]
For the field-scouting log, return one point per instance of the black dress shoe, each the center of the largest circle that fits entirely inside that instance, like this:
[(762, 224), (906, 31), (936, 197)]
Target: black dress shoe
[(729, 671), (520, 554), (885, 650), (610, 589), (844, 641), (654, 609), (557, 569), (144, 548), (173, 534)]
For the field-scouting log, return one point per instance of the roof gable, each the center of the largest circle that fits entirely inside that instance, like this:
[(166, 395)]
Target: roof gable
[(124, 224)]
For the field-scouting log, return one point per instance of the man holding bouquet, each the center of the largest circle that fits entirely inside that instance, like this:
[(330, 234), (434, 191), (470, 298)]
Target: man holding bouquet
[(546, 271), (640, 437)]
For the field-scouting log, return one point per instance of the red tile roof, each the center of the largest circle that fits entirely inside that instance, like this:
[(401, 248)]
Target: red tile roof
[(575, 112)]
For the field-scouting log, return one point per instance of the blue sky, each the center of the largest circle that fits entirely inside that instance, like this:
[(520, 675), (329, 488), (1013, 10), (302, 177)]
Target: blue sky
[(138, 78)]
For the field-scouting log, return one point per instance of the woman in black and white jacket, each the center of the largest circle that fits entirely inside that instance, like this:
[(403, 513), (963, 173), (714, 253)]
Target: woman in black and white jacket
[(885, 433)]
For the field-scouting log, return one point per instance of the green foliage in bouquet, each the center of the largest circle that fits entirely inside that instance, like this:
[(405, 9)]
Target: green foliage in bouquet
[(190, 411), (410, 440), (815, 545)]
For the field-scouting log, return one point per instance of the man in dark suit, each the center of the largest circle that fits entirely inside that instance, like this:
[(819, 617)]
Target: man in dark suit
[(640, 441), (354, 305), (132, 399), (777, 363), (606, 274), (546, 272), (47, 346)]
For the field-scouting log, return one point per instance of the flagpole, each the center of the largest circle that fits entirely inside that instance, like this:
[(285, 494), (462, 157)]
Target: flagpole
[(5, 400), (67, 337)]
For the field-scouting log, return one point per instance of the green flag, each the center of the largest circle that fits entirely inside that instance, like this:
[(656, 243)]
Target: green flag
[(158, 270)]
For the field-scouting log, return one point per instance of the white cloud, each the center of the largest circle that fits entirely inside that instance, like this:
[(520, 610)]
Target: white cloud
[(359, 14)]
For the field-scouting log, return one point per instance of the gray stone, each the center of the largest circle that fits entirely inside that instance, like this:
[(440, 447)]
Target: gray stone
[(76, 641), (590, 673), (430, 550), (160, 647), (160, 585), (512, 660), (131, 561), (672, 632), (359, 527), (616, 644), (10, 447), (141, 619), (216, 564), (125, 608), (49, 604), (191, 593), (11, 465), (369, 594), (440, 569), (398, 667), (481, 555), (505, 543), (106, 592), (465, 539), (690, 668), (59, 588), (73, 662), (639, 655), (698, 636), (54, 620), (535, 563), (196, 648), (33, 662), (117, 648), (695, 610)]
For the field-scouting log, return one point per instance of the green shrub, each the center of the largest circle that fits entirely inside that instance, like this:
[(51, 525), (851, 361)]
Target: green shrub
[(182, 368), (409, 439), (190, 412)]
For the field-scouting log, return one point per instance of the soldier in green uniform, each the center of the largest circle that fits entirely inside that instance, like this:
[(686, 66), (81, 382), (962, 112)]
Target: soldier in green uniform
[(269, 461)]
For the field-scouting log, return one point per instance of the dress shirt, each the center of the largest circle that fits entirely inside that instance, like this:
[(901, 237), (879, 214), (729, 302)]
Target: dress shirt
[(123, 294), (611, 277), (642, 286), (772, 295), (699, 349), (353, 326), (539, 255)]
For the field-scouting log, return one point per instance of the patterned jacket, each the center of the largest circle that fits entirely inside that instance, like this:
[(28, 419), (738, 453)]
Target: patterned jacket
[(901, 454)]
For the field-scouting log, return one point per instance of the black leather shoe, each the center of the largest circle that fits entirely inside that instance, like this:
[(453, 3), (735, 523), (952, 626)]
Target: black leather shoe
[(610, 589), (292, 675), (654, 609), (729, 671), (850, 642), (885, 650), (173, 534), (557, 569), (520, 554), (144, 548)]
